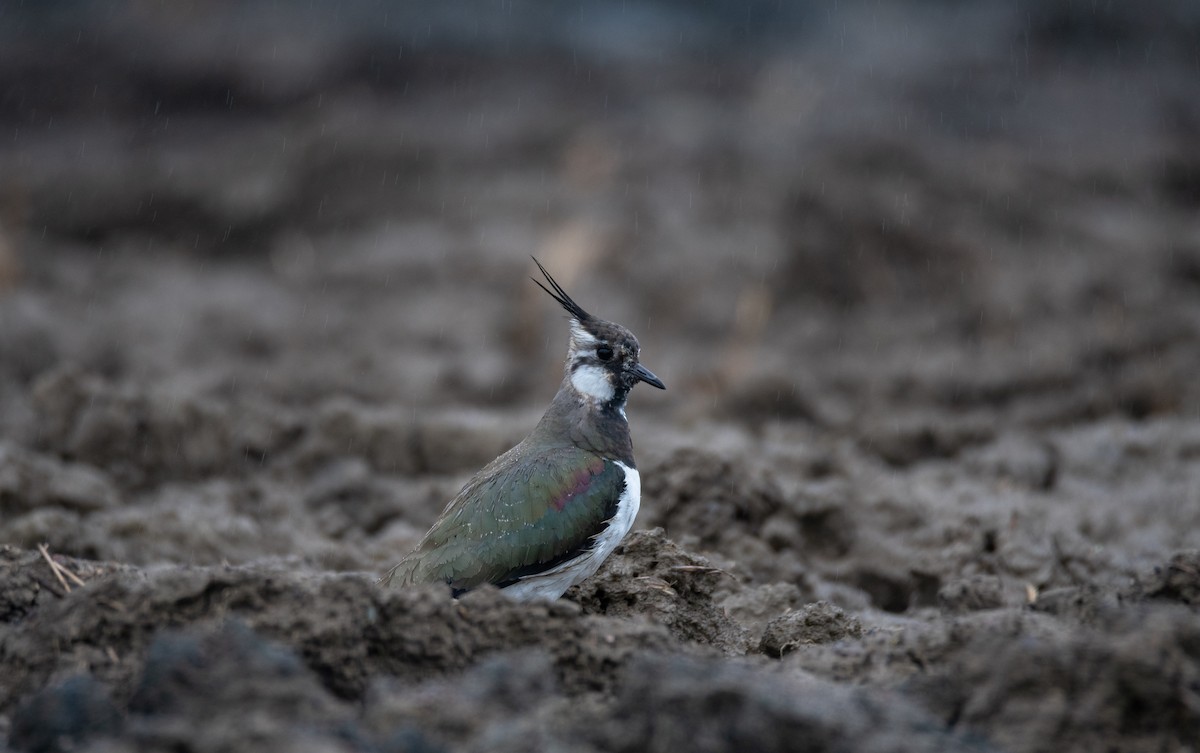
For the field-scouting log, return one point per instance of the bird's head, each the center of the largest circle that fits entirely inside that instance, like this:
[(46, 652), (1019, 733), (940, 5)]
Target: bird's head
[(602, 357)]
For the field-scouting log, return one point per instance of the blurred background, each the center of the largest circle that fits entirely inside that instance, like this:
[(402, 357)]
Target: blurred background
[(922, 278), (286, 246)]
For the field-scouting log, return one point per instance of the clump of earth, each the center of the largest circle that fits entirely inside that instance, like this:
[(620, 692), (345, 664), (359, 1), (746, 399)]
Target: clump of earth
[(924, 285)]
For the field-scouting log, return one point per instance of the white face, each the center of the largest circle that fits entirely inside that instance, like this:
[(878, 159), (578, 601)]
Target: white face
[(594, 382), (596, 361)]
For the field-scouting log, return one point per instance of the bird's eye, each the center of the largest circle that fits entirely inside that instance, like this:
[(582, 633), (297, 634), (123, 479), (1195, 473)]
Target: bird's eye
[(604, 353)]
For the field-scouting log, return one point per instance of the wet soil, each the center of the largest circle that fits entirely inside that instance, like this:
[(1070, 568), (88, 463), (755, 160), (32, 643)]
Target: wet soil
[(923, 282)]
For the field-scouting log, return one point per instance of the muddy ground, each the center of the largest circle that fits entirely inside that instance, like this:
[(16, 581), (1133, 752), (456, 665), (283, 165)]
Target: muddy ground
[(923, 281)]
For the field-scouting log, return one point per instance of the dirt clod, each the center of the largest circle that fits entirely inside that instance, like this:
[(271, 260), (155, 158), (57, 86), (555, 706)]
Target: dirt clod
[(819, 622)]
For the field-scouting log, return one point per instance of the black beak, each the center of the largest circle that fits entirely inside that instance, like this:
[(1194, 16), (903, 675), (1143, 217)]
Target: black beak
[(645, 375)]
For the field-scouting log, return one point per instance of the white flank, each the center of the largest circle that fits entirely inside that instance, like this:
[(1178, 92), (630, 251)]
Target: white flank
[(593, 382), (554, 582)]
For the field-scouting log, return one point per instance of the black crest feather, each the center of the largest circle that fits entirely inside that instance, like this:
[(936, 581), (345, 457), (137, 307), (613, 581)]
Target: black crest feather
[(560, 295)]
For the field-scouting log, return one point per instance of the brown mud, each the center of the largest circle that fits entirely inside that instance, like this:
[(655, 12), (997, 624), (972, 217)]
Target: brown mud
[(923, 282)]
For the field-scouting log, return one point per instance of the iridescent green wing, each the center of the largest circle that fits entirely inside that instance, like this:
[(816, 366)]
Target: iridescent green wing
[(520, 516)]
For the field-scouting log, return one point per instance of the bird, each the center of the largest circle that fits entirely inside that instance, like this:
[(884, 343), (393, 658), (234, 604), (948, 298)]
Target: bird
[(545, 515)]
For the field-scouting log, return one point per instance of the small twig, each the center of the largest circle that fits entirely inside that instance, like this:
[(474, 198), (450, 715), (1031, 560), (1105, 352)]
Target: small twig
[(78, 581), (658, 584), (1031, 593), (54, 567), (702, 569), (60, 569)]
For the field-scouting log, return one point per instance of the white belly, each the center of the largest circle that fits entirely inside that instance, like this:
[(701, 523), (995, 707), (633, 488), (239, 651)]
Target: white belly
[(554, 582)]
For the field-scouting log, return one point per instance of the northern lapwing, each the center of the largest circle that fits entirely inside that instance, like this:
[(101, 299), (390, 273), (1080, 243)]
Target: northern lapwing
[(544, 515)]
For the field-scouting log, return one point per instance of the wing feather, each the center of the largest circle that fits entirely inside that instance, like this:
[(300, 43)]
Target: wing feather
[(516, 519)]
